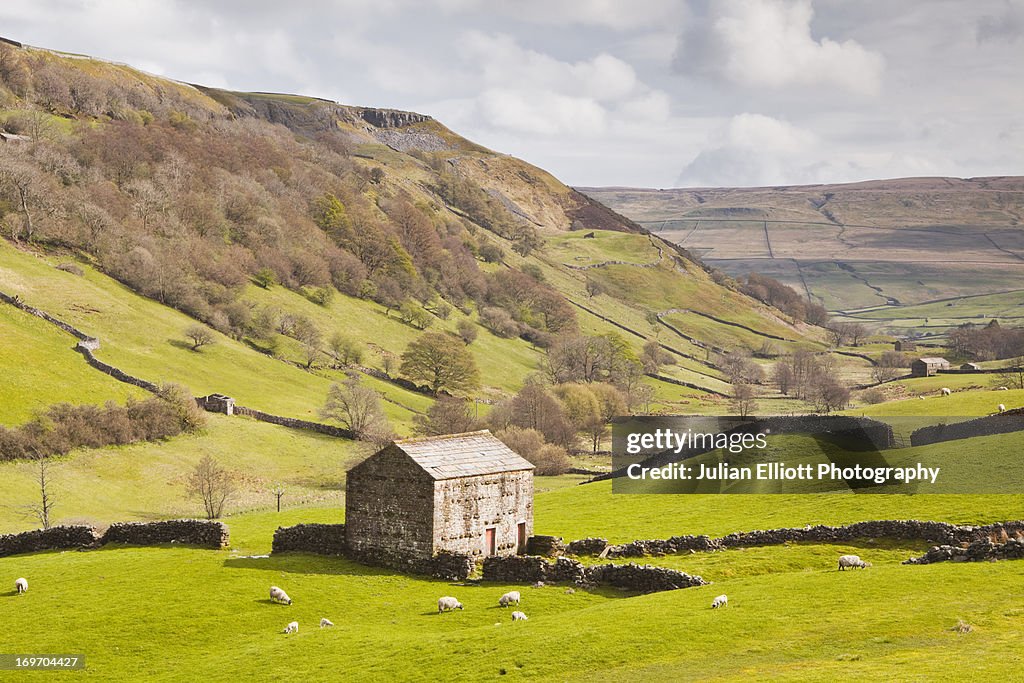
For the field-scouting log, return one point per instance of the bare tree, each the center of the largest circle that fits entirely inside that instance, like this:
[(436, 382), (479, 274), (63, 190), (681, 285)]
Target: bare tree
[(889, 367), (24, 183), (43, 508), (213, 484), (356, 407), (1012, 375), (200, 336), (744, 399)]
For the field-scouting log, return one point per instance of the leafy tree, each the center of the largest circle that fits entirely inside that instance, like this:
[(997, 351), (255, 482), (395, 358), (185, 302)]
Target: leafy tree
[(467, 331), (344, 350), (448, 415), (442, 361), (199, 335)]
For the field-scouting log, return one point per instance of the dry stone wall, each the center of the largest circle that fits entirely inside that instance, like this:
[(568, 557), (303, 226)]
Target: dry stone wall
[(633, 577), (1010, 421), (981, 550), (320, 539), (54, 538), (294, 423), (195, 532)]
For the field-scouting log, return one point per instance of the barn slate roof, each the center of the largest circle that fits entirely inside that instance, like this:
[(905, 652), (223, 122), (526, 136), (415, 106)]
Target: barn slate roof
[(468, 454), (932, 360)]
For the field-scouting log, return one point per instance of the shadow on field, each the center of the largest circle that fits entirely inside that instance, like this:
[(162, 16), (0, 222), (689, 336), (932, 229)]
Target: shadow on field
[(298, 563)]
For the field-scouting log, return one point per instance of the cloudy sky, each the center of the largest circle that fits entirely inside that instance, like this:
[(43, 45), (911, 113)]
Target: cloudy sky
[(655, 93)]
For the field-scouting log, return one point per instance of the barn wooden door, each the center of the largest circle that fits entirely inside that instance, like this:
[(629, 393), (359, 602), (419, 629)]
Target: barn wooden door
[(490, 542), (522, 537)]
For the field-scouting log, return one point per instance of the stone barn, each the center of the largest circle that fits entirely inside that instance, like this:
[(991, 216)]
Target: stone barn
[(904, 345), (926, 367), (462, 493)]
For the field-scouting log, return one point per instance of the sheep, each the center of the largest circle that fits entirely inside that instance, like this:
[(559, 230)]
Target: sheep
[(1003, 389), (946, 391), (278, 595), (21, 586), (509, 598), (518, 616), (1002, 408), (291, 628), (720, 601), (448, 604), (326, 623), (852, 561), (921, 397)]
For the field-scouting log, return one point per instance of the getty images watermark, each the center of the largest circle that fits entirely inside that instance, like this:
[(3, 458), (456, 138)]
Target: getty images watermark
[(817, 454)]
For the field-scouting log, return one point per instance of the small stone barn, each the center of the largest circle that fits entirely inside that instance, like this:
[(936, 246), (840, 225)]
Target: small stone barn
[(904, 345), (462, 493), (970, 367), (926, 367)]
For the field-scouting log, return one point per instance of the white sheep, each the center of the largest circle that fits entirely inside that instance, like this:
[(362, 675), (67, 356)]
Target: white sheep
[(518, 616), (921, 397), (1002, 408), (326, 623), (720, 601), (448, 604), (21, 586), (852, 561), (278, 595), (291, 628), (509, 598), (946, 391), (1003, 389)]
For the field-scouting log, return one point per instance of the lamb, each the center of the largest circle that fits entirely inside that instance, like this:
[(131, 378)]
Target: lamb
[(720, 601), (291, 628), (326, 623), (1002, 408), (946, 391), (509, 598), (278, 595), (518, 616), (448, 604), (21, 586), (852, 561)]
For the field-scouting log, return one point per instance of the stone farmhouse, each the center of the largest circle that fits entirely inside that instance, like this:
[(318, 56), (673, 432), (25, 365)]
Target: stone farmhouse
[(461, 493), (926, 367)]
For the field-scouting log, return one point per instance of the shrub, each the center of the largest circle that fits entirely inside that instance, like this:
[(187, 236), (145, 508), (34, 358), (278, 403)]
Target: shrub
[(71, 268)]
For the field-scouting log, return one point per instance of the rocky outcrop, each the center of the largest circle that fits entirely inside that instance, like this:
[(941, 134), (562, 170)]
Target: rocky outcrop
[(391, 118)]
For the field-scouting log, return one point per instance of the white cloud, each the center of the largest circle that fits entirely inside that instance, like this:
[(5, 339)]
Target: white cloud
[(768, 43)]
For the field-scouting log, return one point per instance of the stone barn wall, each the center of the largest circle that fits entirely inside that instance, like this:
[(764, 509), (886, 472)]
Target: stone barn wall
[(465, 508), (389, 507)]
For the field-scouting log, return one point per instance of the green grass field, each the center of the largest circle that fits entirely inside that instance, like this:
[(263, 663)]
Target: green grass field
[(155, 613)]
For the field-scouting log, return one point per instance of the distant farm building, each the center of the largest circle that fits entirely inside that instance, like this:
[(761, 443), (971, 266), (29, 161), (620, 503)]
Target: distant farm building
[(905, 345), (926, 367), (462, 493), (217, 403), (971, 367)]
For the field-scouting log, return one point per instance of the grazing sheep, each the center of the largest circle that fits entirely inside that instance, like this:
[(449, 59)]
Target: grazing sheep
[(448, 604), (278, 595), (291, 628), (1002, 408), (946, 391), (539, 584), (921, 397), (1003, 389), (509, 598), (720, 601), (21, 586), (518, 616), (326, 623), (852, 561)]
